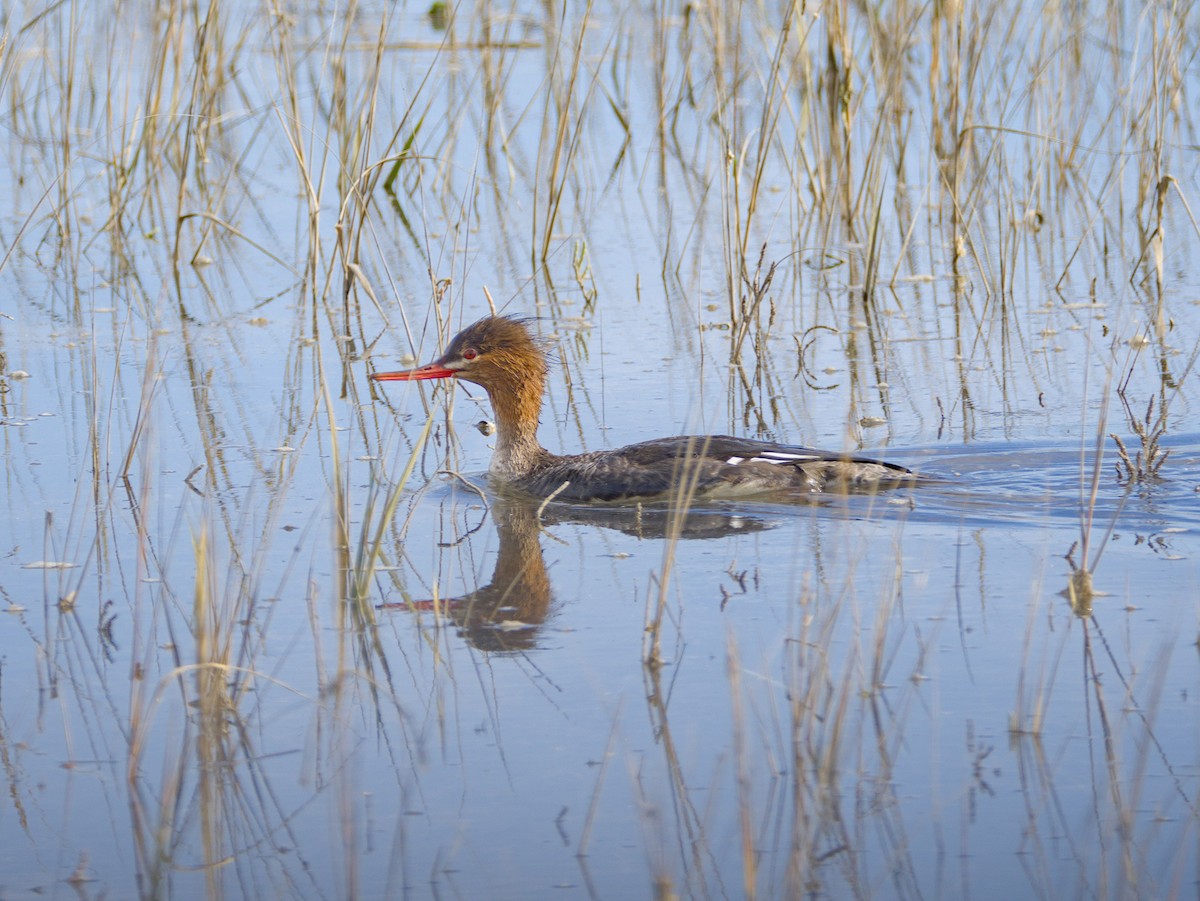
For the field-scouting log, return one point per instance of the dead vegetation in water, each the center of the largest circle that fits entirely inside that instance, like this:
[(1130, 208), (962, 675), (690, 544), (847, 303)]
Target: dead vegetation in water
[(889, 190), (1147, 461)]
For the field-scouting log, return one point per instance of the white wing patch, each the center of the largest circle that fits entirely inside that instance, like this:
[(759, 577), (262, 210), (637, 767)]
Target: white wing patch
[(785, 457), (773, 457)]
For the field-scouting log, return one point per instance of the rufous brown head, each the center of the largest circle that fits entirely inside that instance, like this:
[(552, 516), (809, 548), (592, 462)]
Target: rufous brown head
[(493, 351)]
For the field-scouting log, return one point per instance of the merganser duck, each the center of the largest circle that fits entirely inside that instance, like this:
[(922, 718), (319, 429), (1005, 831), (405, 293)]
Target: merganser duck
[(499, 354)]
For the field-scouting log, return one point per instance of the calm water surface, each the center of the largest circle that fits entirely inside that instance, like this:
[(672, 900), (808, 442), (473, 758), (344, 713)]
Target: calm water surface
[(245, 652)]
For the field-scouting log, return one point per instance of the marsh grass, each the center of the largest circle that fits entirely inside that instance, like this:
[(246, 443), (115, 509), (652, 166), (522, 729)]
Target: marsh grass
[(864, 225), (1146, 463), (658, 598)]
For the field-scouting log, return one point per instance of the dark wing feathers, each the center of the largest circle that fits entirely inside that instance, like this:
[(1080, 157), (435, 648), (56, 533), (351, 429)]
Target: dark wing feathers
[(706, 464)]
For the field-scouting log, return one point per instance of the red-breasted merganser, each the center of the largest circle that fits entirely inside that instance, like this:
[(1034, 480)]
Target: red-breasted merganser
[(500, 354)]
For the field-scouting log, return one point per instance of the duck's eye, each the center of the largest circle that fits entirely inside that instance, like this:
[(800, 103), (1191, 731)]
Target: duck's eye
[(470, 353)]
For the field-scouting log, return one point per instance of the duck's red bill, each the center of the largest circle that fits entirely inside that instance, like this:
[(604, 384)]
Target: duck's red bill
[(413, 605), (431, 371)]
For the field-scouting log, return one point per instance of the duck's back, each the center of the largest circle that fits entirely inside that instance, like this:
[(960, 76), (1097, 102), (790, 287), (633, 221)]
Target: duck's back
[(699, 466)]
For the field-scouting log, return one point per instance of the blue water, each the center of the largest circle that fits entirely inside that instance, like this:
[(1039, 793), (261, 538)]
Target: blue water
[(229, 668)]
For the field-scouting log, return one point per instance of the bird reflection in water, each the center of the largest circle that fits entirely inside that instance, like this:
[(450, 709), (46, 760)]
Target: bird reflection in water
[(506, 614)]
